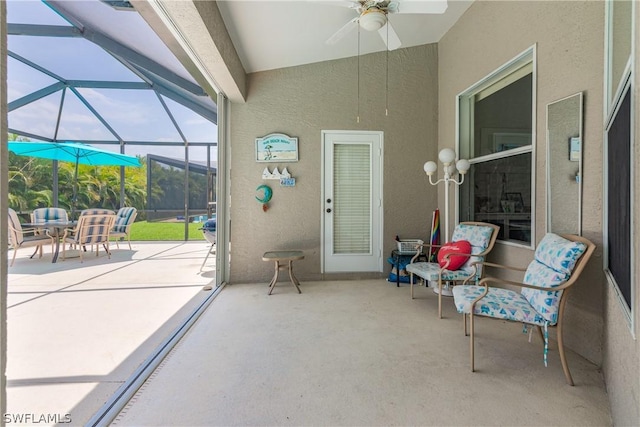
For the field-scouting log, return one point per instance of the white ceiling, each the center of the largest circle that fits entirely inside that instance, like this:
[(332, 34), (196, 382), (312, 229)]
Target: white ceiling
[(271, 34)]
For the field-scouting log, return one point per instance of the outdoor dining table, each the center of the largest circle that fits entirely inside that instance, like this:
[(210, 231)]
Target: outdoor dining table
[(56, 228)]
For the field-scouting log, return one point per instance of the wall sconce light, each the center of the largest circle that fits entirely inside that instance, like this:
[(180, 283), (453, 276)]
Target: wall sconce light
[(447, 156)]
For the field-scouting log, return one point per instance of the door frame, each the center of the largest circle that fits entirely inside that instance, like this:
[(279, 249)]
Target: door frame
[(380, 232)]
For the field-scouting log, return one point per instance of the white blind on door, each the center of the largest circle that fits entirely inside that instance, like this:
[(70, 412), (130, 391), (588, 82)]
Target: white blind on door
[(352, 198)]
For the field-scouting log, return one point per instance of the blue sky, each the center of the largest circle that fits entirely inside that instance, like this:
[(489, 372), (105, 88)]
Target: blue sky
[(136, 115)]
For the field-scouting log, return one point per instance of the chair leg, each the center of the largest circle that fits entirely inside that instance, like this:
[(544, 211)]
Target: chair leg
[(411, 282), (471, 343), (464, 321), (563, 358), (15, 252), (439, 297), (129, 241)]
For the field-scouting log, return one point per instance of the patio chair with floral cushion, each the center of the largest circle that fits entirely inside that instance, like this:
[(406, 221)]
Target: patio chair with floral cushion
[(455, 265), (556, 266), (91, 230), (125, 217), (19, 237)]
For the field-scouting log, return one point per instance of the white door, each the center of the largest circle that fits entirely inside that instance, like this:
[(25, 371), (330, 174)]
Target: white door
[(352, 201)]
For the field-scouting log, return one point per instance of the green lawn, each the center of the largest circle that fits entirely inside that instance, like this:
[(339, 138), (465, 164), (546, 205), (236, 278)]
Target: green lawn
[(143, 230)]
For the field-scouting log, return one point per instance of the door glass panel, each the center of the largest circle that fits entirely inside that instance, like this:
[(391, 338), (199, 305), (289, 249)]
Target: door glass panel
[(352, 195)]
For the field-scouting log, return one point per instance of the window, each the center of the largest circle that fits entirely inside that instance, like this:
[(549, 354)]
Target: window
[(496, 122), (618, 155), (618, 200)]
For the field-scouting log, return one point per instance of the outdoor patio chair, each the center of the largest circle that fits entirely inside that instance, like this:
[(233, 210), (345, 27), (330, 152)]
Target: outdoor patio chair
[(122, 228), (49, 214), (481, 237), (557, 264), (17, 238), (96, 211), (91, 230)]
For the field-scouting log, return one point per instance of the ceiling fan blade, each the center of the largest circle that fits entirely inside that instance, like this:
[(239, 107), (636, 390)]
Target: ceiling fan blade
[(421, 6), (393, 41), (346, 29), (342, 3)]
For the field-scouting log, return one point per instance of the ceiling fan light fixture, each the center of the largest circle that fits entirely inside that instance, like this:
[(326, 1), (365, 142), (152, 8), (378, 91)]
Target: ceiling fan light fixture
[(373, 19)]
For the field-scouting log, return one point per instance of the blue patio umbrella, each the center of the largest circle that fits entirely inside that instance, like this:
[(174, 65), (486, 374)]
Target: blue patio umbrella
[(74, 152)]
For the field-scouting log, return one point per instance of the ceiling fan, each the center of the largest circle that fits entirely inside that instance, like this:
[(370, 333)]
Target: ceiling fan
[(373, 16)]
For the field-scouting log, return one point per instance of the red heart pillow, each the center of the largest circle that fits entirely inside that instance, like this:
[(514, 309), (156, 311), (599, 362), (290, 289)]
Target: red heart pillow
[(455, 261)]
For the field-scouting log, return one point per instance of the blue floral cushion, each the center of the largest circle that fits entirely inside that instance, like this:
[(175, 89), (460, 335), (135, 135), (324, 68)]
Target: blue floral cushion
[(559, 253), (431, 270), (500, 303), (479, 236), (554, 260)]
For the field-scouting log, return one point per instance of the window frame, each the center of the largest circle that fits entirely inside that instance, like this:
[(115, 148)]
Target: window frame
[(524, 59), (614, 94)]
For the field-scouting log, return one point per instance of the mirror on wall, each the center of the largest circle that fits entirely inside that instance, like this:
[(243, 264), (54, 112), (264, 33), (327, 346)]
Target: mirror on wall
[(564, 165)]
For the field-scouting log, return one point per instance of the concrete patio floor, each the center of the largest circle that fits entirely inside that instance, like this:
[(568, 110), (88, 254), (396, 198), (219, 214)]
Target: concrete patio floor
[(77, 331), (358, 353), (342, 353)]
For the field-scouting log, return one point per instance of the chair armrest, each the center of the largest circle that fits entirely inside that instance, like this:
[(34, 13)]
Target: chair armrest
[(494, 280), (505, 267), (485, 283), (68, 232), (447, 259), (419, 247), (26, 230), (490, 264)]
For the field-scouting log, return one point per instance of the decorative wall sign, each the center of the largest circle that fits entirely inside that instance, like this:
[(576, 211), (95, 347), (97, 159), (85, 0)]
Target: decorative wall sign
[(574, 149), (277, 147), (288, 182), (276, 174), (284, 177)]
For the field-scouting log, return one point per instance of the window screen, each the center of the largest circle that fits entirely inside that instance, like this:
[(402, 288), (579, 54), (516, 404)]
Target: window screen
[(619, 198)]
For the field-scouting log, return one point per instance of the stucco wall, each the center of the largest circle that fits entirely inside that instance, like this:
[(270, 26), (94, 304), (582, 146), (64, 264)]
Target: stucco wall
[(621, 351), (569, 39), (302, 101)]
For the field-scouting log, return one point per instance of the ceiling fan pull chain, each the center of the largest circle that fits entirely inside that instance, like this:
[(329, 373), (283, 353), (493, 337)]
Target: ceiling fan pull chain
[(386, 89)]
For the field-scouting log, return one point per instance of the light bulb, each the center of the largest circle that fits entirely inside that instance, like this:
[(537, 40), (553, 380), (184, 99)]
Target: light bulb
[(430, 168), (447, 156), (463, 166)]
